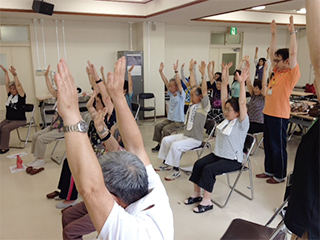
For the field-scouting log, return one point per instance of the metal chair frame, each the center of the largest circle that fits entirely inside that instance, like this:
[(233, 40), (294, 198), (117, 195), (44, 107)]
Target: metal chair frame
[(146, 96), (255, 135), (57, 159), (246, 166), (135, 110), (30, 123)]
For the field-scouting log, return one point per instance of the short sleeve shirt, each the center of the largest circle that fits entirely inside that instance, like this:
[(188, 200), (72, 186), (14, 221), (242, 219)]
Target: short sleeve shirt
[(135, 222), (277, 103), (176, 106)]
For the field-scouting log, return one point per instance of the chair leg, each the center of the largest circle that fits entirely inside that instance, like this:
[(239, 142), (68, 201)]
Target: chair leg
[(57, 159), (258, 145)]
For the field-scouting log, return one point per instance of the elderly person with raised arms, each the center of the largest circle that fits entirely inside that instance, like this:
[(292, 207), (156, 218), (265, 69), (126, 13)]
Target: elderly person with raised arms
[(126, 200)]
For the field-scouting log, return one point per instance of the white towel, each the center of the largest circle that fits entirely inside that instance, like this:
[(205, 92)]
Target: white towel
[(226, 126)]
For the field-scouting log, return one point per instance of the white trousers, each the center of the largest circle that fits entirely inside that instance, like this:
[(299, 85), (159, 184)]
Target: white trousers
[(172, 147)]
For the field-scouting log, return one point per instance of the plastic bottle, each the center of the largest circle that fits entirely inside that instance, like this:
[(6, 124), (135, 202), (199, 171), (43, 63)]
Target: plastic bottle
[(19, 162)]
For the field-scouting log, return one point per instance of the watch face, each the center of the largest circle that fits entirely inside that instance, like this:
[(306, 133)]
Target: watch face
[(83, 126)]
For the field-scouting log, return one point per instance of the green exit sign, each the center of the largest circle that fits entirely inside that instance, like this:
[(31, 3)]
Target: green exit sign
[(233, 31)]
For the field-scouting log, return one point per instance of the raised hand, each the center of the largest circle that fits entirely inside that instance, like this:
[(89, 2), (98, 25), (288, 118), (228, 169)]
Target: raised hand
[(67, 94), (182, 66), (268, 50), (47, 71), (13, 70), (99, 123), (244, 75), (102, 69), (225, 71), (90, 107), (176, 65), (273, 27), (291, 25), (257, 49), (266, 65), (202, 67), (93, 71), (191, 65), (161, 67), (209, 66), (116, 80), (131, 68), (3, 69)]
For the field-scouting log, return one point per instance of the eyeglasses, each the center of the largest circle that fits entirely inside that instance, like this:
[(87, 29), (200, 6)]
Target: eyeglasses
[(277, 60)]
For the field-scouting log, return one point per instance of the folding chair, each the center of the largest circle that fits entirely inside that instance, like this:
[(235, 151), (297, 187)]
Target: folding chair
[(210, 127), (135, 110), (149, 108), (246, 166), (57, 159), (29, 108), (255, 135)]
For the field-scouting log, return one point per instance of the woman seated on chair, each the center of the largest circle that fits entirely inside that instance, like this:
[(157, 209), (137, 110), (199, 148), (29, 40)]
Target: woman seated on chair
[(256, 103), (230, 137), (15, 106), (54, 131), (173, 146)]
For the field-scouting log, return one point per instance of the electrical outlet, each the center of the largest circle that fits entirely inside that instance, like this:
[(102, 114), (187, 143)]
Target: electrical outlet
[(39, 72)]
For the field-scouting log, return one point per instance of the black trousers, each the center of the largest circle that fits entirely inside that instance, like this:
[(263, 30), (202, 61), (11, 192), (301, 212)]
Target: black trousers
[(275, 146), (207, 168), (255, 127), (67, 184)]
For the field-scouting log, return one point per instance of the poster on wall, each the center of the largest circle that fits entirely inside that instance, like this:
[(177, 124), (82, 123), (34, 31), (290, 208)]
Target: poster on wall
[(134, 59), (3, 62)]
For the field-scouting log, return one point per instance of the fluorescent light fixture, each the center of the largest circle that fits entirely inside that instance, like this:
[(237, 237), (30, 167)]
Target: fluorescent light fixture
[(302, 10), (258, 8)]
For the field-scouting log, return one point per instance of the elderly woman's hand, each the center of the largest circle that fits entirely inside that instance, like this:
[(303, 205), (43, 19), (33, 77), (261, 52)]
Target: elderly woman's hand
[(99, 123)]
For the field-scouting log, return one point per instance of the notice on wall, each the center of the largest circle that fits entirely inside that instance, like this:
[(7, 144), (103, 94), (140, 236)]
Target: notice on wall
[(136, 60)]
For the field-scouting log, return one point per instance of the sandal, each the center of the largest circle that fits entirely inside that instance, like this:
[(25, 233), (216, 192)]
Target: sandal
[(29, 170), (3, 151), (191, 200), (35, 171), (53, 194), (202, 209)]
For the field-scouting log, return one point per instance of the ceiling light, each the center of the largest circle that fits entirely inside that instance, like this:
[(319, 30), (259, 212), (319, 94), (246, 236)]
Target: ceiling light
[(302, 10), (258, 8)]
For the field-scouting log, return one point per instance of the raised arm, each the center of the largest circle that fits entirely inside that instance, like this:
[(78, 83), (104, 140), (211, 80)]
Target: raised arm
[(192, 80), (102, 74), (91, 81), (210, 69), (264, 79), (273, 43), (293, 47), (243, 60), (202, 69), (130, 83), (183, 77), (195, 72), (48, 83), (248, 80), (6, 75), (268, 53), (163, 77), (224, 84), (242, 95), (128, 127), (17, 81), (178, 79), (101, 88), (256, 55), (313, 35), (83, 163)]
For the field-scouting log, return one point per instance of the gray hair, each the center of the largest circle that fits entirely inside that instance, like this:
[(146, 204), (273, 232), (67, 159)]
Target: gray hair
[(124, 175), (173, 80)]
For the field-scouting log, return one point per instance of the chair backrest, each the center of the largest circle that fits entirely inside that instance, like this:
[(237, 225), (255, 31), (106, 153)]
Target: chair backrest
[(209, 125), (248, 144), (29, 107), (146, 95)]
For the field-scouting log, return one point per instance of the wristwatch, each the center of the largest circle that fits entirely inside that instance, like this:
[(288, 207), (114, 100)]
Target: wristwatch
[(81, 126), (103, 131)]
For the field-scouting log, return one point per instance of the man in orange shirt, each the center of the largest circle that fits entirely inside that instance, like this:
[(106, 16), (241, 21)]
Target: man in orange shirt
[(277, 106)]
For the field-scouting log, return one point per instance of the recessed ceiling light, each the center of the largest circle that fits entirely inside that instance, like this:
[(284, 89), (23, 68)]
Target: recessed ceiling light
[(302, 10), (258, 8)]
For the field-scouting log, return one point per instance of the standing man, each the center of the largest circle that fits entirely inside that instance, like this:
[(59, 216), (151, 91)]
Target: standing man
[(176, 107), (277, 107)]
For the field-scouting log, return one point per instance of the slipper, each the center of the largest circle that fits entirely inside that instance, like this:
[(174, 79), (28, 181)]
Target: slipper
[(3, 151), (53, 194), (191, 200), (202, 209), (29, 170), (273, 181), (35, 171)]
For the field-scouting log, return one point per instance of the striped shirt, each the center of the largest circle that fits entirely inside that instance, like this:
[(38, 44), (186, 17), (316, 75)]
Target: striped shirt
[(255, 108)]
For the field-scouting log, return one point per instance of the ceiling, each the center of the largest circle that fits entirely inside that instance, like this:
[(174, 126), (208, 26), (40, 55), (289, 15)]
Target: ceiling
[(181, 12)]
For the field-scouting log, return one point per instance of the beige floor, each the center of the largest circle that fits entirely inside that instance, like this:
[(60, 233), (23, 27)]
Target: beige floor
[(26, 213)]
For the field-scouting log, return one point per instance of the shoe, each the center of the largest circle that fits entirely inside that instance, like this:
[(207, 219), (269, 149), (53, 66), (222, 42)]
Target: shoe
[(29, 170), (274, 181), (36, 170), (156, 148), (36, 163), (163, 167), (191, 200), (173, 175), (263, 175), (53, 194), (57, 198), (3, 151), (202, 209), (62, 205)]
